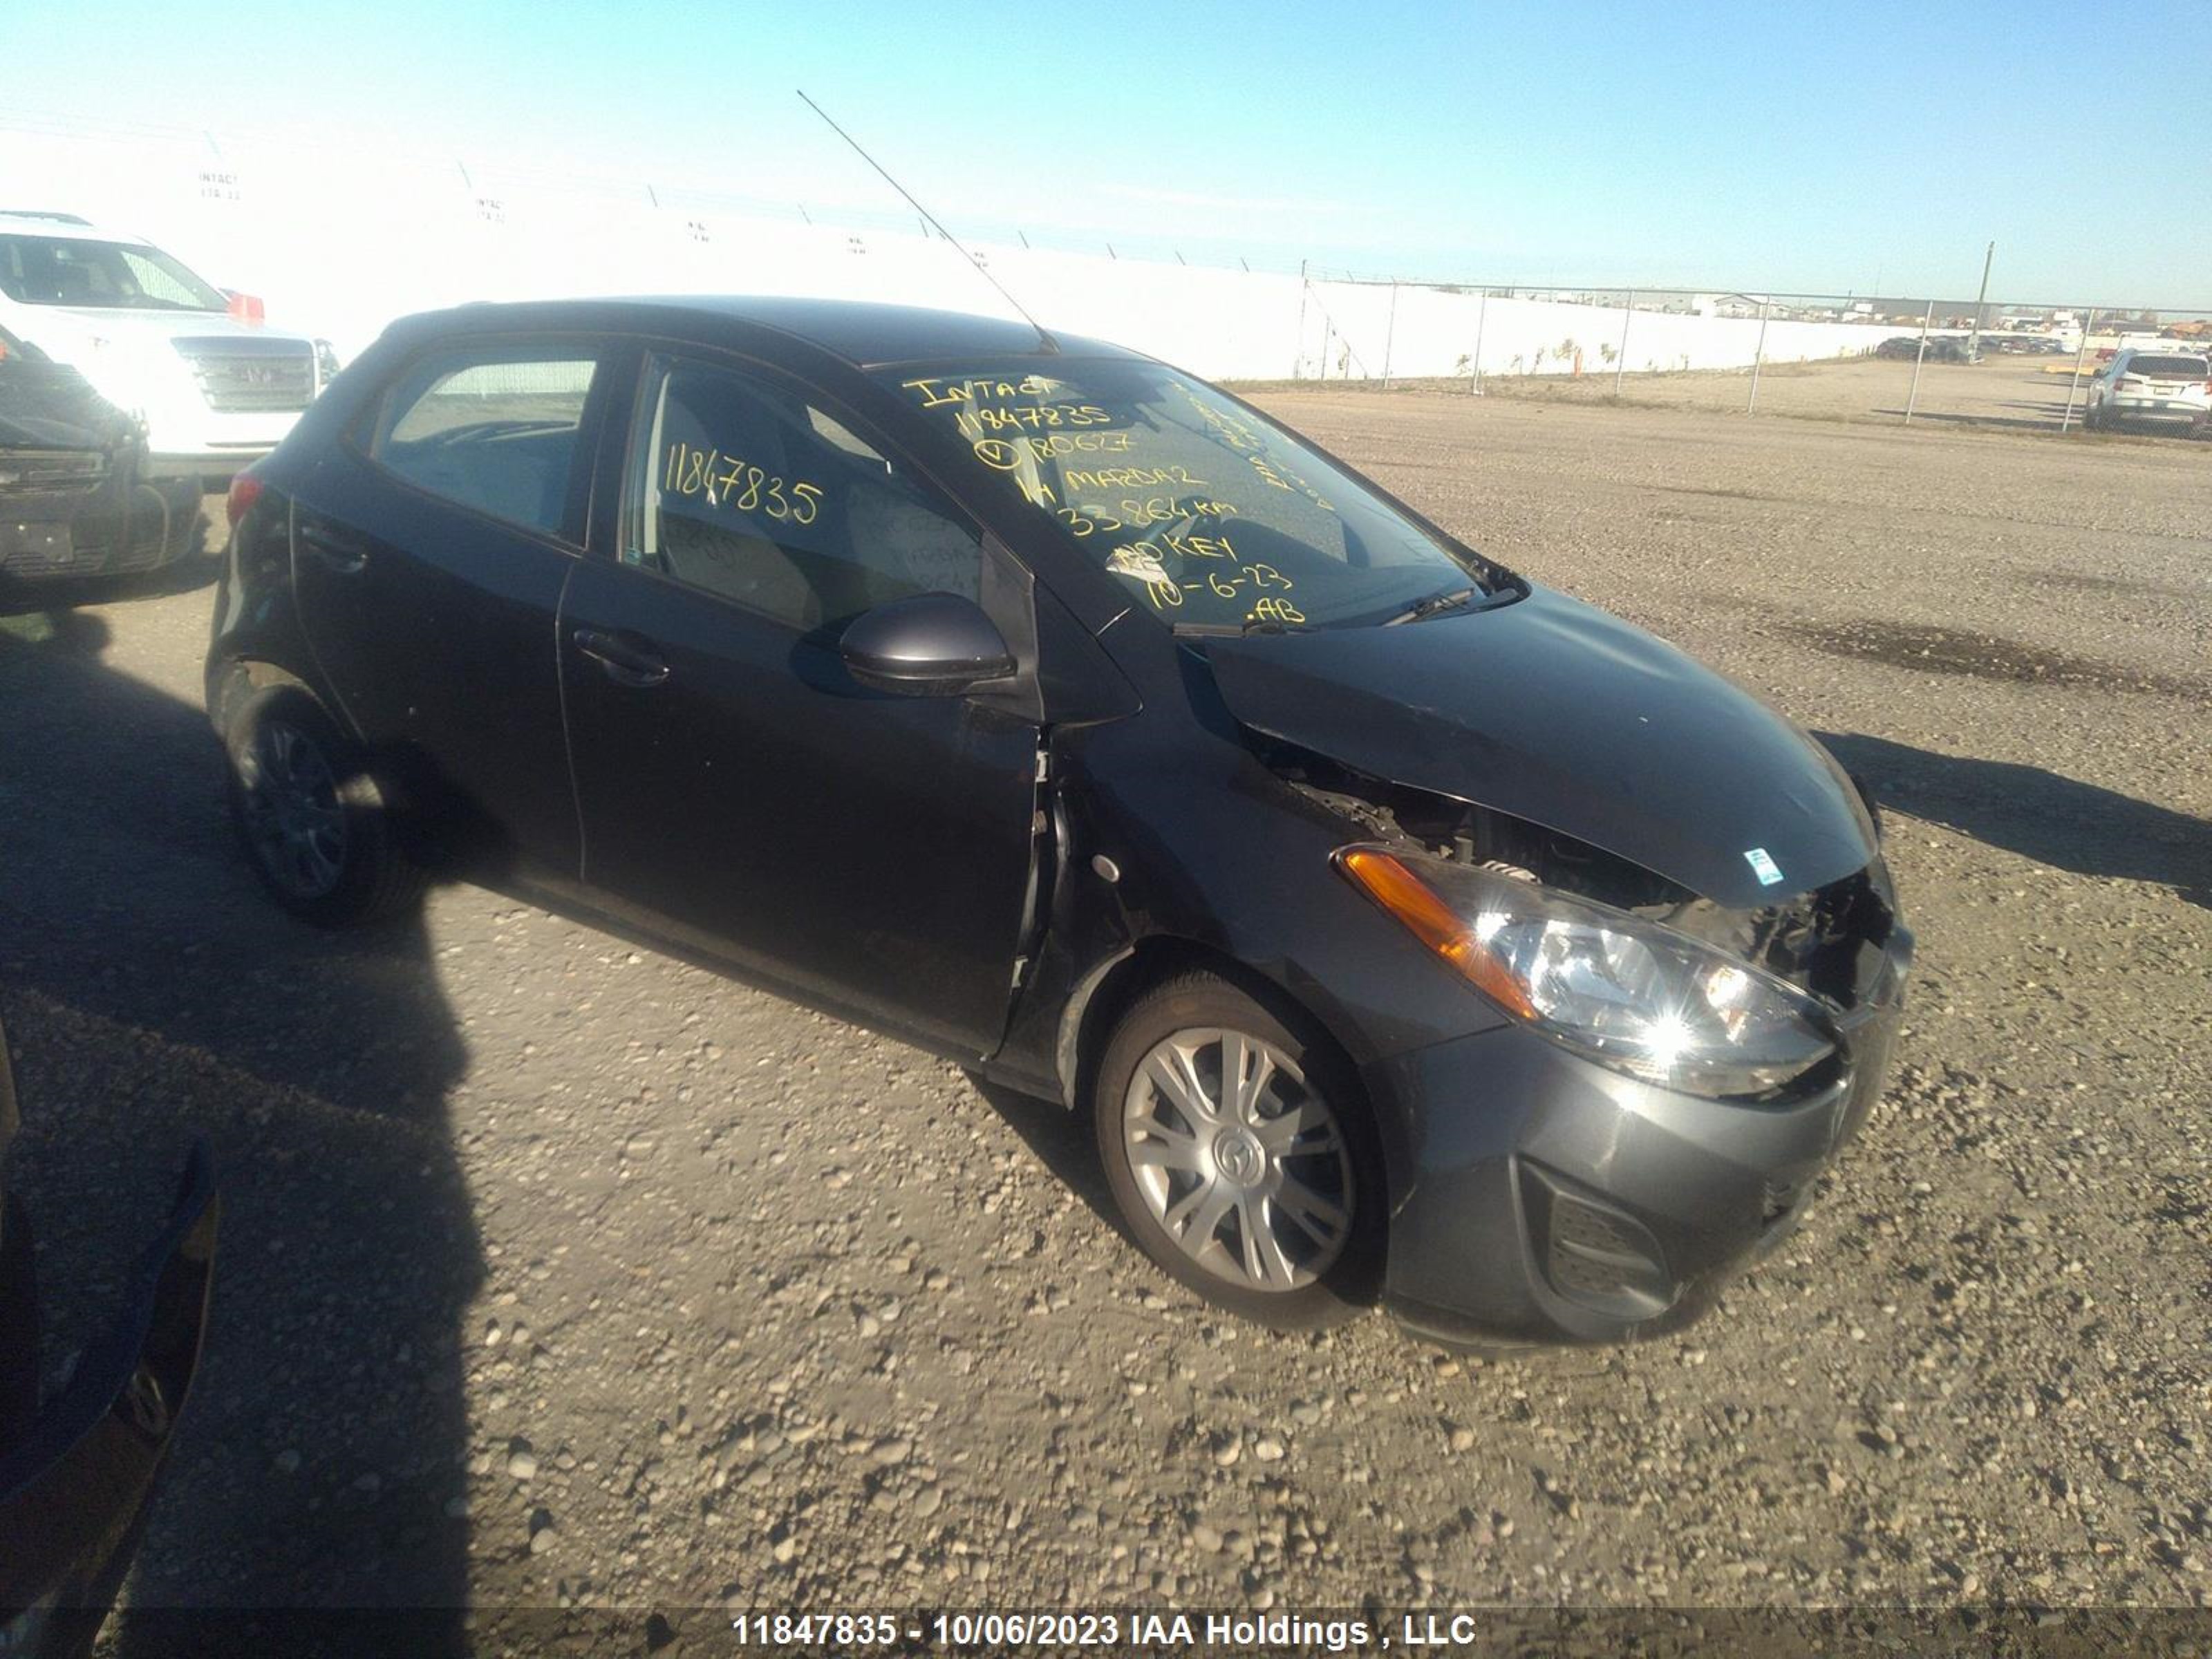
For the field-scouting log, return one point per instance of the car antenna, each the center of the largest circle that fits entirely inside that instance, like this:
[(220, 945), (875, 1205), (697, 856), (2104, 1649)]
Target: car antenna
[(1044, 336)]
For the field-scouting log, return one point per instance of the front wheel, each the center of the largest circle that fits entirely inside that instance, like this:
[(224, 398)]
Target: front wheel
[(1241, 1155), (314, 825)]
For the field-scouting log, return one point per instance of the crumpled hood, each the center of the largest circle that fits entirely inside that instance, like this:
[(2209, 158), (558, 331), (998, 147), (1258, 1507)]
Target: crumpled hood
[(1553, 711)]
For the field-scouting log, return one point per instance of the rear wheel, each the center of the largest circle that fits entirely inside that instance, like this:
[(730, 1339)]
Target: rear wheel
[(314, 825), (1241, 1155)]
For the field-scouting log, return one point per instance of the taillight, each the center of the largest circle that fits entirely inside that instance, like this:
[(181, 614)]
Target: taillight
[(248, 308), (245, 490)]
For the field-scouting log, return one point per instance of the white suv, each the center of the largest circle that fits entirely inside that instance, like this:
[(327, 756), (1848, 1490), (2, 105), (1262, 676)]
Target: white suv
[(214, 391), (2152, 383)]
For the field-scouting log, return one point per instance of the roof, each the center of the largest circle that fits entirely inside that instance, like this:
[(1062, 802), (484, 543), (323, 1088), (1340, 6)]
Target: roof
[(25, 222), (863, 333)]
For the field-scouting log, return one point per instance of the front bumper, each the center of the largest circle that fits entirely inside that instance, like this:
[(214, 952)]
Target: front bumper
[(135, 524), (1550, 1200), (2154, 408), (76, 1477)]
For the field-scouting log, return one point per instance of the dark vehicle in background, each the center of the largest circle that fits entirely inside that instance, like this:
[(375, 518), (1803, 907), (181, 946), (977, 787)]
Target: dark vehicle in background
[(74, 498), (1936, 348), (77, 1469), (1405, 931)]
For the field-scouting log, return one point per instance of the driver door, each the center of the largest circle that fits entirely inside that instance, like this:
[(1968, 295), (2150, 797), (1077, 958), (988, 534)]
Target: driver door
[(739, 790)]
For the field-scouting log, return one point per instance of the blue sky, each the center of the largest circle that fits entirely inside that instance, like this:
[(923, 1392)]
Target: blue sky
[(1873, 147)]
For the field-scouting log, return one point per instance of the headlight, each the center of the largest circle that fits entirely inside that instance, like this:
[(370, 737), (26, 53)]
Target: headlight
[(326, 363), (1630, 994)]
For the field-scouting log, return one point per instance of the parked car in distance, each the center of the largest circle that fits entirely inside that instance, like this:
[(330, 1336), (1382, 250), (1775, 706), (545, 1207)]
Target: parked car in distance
[(1950, 349), (2158, 387), (1900, 345), (215, 393), (1053, 711), (73, 497), (77, 1469)]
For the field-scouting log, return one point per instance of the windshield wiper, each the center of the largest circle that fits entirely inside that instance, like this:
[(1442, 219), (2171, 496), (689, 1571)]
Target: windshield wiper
[(1432, 604), (1239, 631)]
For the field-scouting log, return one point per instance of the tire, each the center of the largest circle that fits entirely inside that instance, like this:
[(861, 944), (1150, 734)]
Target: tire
[(314, 824), (1296, 1200)]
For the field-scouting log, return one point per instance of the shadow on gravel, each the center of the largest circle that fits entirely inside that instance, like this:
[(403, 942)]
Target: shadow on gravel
[(153, 993), (2037, 814), (1061, 1141)]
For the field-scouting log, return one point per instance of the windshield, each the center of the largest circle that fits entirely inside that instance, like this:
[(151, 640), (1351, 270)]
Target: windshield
[(1214, 518), (66, 270)]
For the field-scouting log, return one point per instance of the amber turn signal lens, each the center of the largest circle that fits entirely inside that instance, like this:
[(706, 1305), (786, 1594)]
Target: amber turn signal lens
[(1435, 923)]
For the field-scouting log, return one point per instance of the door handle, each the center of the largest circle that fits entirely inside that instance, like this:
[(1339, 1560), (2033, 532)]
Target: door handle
[(626, 662), (339, 553)]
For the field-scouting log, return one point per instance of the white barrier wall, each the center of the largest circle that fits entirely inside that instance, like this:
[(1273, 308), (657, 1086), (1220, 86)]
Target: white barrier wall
[(338, 245)]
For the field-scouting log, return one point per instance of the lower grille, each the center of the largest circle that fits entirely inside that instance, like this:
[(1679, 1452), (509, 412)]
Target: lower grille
[(240, 377), (35, 471), (1594, 1254)]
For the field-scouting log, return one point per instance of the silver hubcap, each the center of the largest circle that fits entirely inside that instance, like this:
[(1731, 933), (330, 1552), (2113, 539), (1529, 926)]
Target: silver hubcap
[(293, 812), (1242, 1164)]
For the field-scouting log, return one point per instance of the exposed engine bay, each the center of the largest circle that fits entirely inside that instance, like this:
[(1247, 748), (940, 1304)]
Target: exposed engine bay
[(1830, 942)]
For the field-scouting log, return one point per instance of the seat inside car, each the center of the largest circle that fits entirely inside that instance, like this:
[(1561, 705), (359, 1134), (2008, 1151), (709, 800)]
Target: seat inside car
[(866, 541)]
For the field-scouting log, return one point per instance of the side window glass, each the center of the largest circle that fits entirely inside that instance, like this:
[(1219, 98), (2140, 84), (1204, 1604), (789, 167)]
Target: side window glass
[(745, 490), (491, 429)]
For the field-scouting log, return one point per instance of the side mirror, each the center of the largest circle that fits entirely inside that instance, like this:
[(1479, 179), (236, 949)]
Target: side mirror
[(933, 644)]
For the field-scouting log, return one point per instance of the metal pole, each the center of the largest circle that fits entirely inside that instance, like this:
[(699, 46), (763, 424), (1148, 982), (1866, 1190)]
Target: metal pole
[(1481, 310), (2073, 385), (1297, 362), (1974, 337), (1921, 356), (1390, 333), (1327, 339), (1621, 359), (1758, 358)]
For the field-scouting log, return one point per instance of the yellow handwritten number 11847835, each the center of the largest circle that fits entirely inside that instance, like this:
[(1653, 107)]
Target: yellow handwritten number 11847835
[(726, 481)]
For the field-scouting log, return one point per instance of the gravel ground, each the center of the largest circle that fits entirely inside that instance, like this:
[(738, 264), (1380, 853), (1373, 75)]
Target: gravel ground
[(555, 1271)]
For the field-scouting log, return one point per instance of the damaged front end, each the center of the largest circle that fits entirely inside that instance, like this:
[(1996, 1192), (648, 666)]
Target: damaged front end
[(1678, 903), (1839, 943), (75, 500)]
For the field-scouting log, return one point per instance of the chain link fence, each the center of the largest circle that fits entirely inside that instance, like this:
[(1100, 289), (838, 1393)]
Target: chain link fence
[(2032, 365)]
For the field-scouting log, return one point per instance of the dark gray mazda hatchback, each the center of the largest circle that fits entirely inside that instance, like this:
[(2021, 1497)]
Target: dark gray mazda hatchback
[(1409, 933)]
